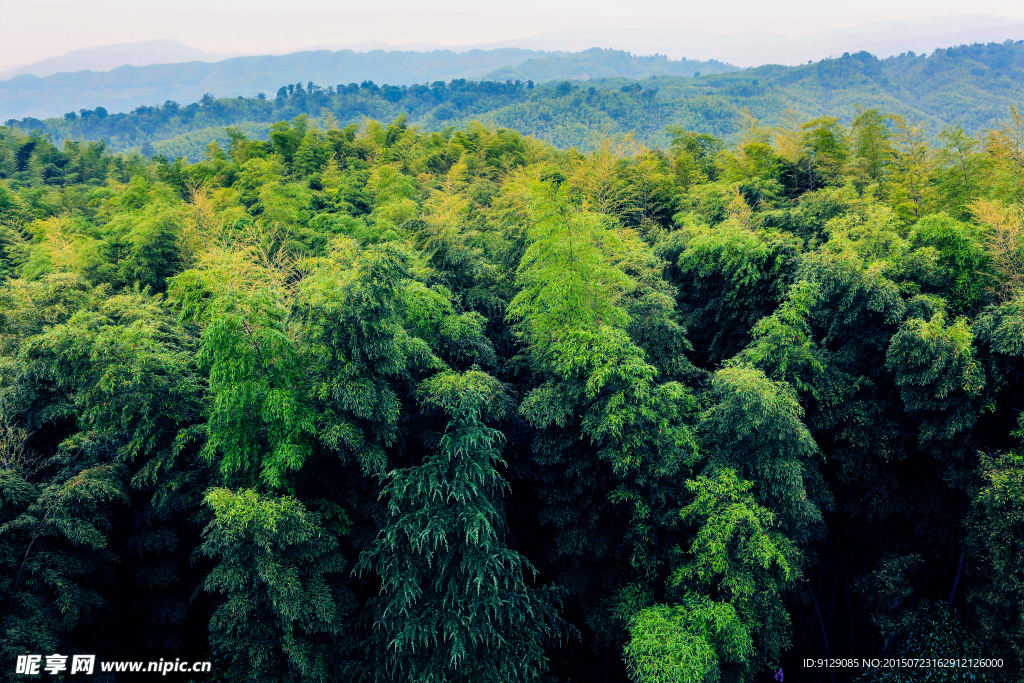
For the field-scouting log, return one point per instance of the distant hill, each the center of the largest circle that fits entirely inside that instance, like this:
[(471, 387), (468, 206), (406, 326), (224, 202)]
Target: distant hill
[(973, 86), (883, 39), (604, 63), (110, 57), (128, 87)]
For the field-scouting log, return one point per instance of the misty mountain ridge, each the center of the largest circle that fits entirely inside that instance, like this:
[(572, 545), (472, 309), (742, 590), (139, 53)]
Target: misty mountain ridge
[(109, 57), (972, 87), (128, 87), (882, 39)]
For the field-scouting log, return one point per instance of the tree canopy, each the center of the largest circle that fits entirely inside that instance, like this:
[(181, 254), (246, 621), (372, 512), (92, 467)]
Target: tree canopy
[(366, 402)]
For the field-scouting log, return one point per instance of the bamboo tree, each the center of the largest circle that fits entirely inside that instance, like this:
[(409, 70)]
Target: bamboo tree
[(455, 602)]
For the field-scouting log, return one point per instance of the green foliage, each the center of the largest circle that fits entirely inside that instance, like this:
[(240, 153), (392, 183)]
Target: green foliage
[(293, 366), (597, 387), (936, 632), (872, 147), (356, 349), (674, 415), (888, 588), (54, 537), (728, 277), (997, 537), (454, 602), (754, 427), (739, 558), (127, 370), (1003, 327), (939, 379), (566, 277), (687, 643), (961, 254), (283, 613), (260, 420)]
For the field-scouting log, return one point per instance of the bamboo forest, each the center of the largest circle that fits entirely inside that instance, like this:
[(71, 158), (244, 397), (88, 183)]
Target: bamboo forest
[(377, 404)]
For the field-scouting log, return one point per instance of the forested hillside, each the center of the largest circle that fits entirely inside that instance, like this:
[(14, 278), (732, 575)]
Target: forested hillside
[(366, 403), (127, 87), (970, 86)]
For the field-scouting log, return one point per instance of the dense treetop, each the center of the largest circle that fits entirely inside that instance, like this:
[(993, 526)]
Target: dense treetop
[(370, 402)]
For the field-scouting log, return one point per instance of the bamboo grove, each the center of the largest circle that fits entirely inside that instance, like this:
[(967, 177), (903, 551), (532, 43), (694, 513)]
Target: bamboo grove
[(372, 404)]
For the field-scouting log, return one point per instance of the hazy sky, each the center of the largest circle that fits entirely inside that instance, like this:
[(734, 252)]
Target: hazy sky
[(33, 30)]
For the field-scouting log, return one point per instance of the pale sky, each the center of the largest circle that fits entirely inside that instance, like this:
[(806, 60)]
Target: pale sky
[(33, 30)]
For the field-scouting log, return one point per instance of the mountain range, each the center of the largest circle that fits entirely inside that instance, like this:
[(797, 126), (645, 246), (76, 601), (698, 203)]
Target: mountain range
[(108, 57), (883, 39), (973, 87), (127, 87), (121, 77)]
